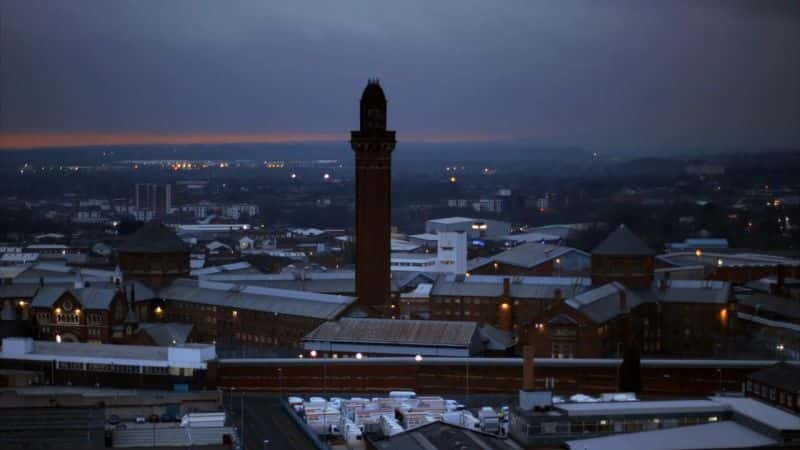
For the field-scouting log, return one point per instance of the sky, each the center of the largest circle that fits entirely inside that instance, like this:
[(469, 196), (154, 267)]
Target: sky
[(597, 74)]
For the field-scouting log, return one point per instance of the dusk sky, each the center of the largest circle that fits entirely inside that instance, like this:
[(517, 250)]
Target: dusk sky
[(596, 74)]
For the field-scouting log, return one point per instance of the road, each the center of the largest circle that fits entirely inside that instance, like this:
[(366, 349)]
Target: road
[(265, 419)]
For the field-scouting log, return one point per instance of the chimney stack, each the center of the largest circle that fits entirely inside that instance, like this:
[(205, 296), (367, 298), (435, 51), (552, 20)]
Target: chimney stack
[(528, 369)]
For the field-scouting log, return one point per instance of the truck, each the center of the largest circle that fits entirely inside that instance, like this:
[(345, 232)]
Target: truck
[(490, 422)]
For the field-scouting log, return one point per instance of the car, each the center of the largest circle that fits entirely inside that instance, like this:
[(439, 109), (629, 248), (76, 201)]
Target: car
[(140, 419), (113, 419), (153, 418)]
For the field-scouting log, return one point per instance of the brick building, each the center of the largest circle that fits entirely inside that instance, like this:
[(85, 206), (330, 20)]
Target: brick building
[(508, 303), (80, 314), (237, 317), (625, 258), (155, 255)]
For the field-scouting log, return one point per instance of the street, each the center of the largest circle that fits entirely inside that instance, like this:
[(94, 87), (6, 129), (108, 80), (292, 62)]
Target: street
[(264, 419)]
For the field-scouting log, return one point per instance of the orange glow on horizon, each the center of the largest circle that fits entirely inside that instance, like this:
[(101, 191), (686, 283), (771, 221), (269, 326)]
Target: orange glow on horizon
[(33, 140)]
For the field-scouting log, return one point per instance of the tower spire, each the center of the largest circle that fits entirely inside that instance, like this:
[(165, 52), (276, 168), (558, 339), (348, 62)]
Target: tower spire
[(373, 145)]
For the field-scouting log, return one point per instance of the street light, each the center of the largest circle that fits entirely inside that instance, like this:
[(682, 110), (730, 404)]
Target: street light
[(359, 355), (313, 353), (418, 358)]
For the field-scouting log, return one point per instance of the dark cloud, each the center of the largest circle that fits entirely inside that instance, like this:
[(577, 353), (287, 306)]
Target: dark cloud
[(595, 74)]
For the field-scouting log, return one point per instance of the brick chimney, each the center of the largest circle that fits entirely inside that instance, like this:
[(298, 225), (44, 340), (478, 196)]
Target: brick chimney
[(528, 369)]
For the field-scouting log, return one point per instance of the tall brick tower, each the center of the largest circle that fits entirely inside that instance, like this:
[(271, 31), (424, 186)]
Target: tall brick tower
[(373, 146)]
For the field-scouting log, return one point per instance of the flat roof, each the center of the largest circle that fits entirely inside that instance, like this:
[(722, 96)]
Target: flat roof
[(452, 220), (642, 407), (761, 412), (187, 355), (726, 434)]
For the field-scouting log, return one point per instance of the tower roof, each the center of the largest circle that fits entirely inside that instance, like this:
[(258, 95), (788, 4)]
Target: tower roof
[(373, 93), (622, 242), (153, 237)]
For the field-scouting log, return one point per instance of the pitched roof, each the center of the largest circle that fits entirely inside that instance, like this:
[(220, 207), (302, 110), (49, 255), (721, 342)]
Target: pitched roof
[(520, 287), (603, 303), (153, 237), (623, 242), (278, 301), (436, 333), (90, 298), (532, 254), (18, 290)]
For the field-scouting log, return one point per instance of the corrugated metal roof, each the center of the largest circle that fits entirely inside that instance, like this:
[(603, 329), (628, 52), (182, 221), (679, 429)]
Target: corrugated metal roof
[(623, 242), (279, 301), (397, 332)]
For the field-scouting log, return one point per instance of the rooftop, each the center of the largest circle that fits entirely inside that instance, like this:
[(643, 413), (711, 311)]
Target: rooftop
[(255, 298), (726, 434), (451, 220), (187, 355), (443, 435), (622, 242), (397, 332), (89, 297), (153, 237), (532, 254), (520, 287), (783, 376)]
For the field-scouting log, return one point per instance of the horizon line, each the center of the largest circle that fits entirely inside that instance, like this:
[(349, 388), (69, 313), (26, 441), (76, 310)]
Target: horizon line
[(33, 141)]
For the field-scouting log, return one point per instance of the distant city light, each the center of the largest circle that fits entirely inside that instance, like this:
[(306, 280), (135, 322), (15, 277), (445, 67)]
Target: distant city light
[(359, 356), (58, 338), (698, 253), (452, 179), (327, 176), (418, 358), (294, 175), (313, 353)]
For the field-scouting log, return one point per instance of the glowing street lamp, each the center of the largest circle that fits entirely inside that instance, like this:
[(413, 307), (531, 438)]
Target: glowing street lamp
[(313, 353), (418, 358), (359, 355)]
